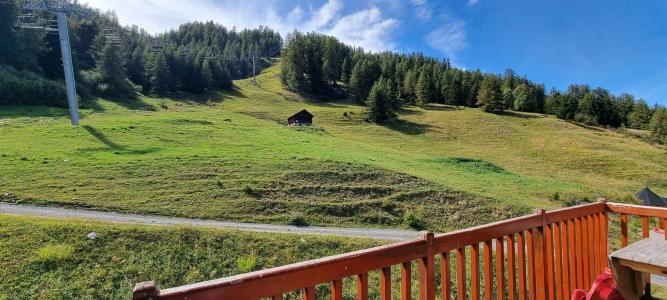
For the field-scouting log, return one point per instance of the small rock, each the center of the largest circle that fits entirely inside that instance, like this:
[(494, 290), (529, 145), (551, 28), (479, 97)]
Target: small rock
[(92, 235), (7, 194)]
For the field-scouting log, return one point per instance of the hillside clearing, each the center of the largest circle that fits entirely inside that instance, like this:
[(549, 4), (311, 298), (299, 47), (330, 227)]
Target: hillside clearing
[(233, 158)]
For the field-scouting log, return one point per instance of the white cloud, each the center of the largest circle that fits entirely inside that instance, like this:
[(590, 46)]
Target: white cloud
[(296, 15), (422, 10), (323, 16), (367, 28), (449, 38), (473, 2)]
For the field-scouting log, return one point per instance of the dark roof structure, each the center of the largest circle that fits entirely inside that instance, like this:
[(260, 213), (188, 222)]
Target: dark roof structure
[(301, 118), (302, 114), (650, 198)]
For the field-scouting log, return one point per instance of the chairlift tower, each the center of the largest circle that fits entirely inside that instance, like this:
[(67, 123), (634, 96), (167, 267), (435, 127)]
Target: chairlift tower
[(253, 56), (60, 8)]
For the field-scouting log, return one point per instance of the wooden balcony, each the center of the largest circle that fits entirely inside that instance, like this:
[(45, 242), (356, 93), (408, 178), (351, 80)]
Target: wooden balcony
[(546, 255)]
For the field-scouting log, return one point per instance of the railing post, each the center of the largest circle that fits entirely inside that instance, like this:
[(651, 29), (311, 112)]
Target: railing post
[(624, 229), (427, 269), (604, 234), (145, 291), (539, 251)]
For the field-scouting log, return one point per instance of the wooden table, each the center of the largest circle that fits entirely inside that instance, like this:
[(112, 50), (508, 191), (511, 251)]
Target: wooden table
[(633, 265)]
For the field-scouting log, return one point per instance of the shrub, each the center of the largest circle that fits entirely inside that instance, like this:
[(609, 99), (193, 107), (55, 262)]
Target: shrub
[(413, 221), (87, 82), (586, 119), (251, 191), (27, 88), (247, 263), (298, 220), (388, 205), (55, 253)]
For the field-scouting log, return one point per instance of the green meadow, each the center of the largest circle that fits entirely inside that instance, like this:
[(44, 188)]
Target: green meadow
[(230, 155)]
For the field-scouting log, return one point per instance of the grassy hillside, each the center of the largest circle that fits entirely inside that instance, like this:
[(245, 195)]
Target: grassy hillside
[(230, 156), (56, 260)]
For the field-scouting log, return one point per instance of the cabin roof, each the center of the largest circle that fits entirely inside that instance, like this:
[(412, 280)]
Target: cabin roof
[(650, 198), (302, 114)]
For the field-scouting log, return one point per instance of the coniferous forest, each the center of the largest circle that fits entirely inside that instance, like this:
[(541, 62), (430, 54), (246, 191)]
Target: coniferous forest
[(118, 62), (115, 61), (314, 63)]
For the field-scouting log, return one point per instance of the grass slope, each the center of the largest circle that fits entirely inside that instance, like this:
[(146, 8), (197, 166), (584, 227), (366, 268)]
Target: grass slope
[(55, 259), (233, 158), (43, 258)]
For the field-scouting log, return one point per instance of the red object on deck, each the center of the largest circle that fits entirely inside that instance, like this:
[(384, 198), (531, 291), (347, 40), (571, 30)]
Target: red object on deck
[(604, 288)]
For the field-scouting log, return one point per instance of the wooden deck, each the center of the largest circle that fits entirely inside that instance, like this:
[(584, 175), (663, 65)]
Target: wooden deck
[(547, 255)]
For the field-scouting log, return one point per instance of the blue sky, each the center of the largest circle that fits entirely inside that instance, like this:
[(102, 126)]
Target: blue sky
[(619, 45)]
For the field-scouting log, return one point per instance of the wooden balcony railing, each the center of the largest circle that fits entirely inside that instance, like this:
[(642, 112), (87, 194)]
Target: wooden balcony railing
[(545, 255)]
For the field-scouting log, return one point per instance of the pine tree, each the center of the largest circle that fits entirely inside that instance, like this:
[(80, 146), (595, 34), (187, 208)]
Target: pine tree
[(408, 89), (207, 74), (136, 68), (380, 102), (552, 102), (451, 87), (425, 88), (626, 104), (292, 66), (221, 77), (640, 117), (659, 124), (508, 87), (110, 66), (364, 74), (196, 81), (331, 61), (538, 96), (471, 85), (346, 70), (490, 97), (159, 74), (7, 31), (522, 98)]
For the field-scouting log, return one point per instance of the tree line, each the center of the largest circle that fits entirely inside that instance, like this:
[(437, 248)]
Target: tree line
[(117, 61), (112, 60), (314, 63)]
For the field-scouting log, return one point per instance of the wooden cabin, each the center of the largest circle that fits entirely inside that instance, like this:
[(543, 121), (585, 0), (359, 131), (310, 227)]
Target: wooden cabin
[(303, 117)]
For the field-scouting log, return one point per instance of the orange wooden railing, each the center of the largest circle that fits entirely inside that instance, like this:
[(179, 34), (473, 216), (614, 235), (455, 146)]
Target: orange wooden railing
[(545, 255)]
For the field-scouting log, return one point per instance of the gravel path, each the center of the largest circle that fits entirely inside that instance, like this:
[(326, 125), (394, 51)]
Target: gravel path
[(68, 213)]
